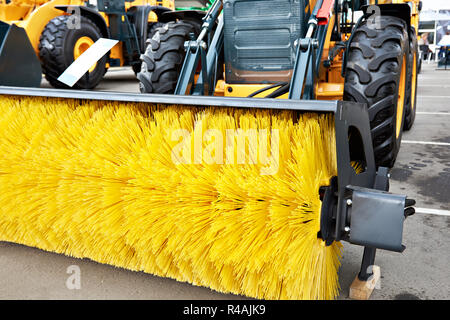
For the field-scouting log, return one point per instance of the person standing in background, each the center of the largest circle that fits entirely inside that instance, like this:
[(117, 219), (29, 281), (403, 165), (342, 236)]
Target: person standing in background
[(424, 45)]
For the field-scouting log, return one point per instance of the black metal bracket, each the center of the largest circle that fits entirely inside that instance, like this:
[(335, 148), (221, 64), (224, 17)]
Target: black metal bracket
[(376, 218), (357, 208), (368, 259), (329, 196)]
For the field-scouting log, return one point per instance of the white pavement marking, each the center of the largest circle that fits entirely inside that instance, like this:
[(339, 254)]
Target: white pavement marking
[(434, 113), (433, 211), (434, 85), (426, 142), (440, 97)]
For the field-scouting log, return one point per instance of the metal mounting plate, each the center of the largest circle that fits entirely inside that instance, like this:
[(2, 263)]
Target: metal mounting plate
[(377, 219)]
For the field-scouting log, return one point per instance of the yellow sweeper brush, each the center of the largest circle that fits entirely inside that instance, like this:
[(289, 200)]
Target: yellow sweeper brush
[(242, 200)]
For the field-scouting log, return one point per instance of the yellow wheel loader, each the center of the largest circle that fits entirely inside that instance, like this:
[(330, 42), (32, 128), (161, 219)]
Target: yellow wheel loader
[(273, 146), (61, 30)]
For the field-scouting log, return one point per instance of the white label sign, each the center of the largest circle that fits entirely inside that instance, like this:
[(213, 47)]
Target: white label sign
[(84, 62)]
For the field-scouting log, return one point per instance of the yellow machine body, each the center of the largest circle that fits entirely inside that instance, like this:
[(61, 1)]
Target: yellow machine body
[(33, 16), (330, 83)]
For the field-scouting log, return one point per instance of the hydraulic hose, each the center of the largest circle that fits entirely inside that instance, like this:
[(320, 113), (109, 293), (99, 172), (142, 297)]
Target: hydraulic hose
[(266, 88)]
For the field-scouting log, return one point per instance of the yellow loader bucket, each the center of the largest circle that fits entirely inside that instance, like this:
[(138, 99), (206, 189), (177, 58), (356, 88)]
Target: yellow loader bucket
[(19, 65)]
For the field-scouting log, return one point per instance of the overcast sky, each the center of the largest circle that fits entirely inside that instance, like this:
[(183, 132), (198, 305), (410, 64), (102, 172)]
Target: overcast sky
[(436, 4)]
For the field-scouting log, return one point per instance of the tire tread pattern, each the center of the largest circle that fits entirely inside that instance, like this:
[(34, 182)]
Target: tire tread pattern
[(163, 58), (375, 60)]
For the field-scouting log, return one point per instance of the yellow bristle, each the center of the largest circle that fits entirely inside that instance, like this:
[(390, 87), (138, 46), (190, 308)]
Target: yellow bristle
[(98, 180)]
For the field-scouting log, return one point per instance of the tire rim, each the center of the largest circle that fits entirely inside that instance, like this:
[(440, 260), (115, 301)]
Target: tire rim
[(81, 46), (413, 82), (401, 99)]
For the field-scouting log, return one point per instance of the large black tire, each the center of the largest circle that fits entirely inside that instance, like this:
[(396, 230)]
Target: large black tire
[(377, 61), (163, 58), (152, 28), (411, 89), (56, 50)]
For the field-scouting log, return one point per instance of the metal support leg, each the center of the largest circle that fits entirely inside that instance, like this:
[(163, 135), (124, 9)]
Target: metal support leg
[(365, 282), (368, 260), (367, 277), (367, 263)]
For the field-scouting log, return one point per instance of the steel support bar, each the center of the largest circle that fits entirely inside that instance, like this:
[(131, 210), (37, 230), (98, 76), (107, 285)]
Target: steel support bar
[(367, 263), (186, 79), (368, 260), (195, 52), (170, 99), (211, 62), (301, 67)]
